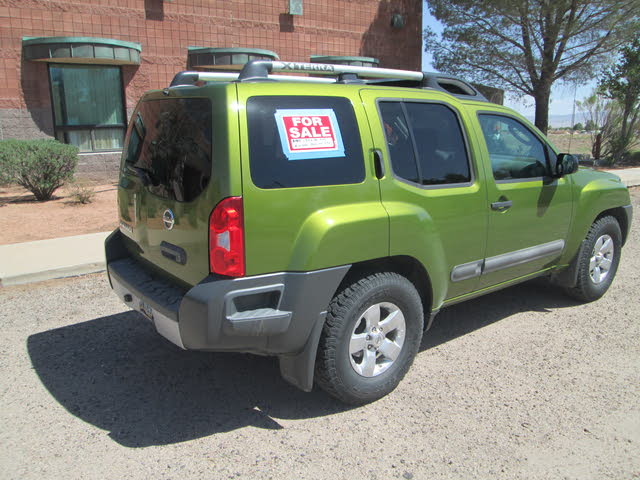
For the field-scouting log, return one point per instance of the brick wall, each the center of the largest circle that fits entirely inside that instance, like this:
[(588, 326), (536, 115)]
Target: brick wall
[(165, 30)]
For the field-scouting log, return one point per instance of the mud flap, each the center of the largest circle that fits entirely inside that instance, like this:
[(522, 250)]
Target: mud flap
[(298, 369), (568, 277)]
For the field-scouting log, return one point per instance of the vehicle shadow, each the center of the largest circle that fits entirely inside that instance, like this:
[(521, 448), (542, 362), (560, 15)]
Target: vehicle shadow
[(533, 296), (117, 373)]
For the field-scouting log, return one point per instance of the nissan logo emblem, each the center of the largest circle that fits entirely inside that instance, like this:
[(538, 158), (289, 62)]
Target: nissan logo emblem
[(168, 219)]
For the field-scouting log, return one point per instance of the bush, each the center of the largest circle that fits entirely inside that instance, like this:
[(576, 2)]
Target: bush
[(40, 166), (81, 192)]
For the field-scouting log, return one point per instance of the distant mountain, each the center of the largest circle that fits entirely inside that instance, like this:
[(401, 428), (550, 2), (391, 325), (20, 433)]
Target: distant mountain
[(559, 121)]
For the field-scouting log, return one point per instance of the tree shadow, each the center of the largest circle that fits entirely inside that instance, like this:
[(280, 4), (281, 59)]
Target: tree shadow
[(286, 23), (117, 373), (154, 10), (34, 82), (406, 38), (24, 198)]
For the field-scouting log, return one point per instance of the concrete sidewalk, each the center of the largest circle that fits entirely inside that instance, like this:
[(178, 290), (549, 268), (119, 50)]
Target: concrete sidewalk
[(68, 256), (629, 176), (46, 259)]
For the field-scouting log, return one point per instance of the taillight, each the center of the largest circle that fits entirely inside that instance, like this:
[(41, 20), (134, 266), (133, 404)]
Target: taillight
[(226, 238)]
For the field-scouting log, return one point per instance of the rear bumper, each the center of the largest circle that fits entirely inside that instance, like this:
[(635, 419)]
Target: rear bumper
[(271, 314)]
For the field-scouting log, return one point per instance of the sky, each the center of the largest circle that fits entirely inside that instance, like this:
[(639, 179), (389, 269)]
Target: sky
[(561, 95)]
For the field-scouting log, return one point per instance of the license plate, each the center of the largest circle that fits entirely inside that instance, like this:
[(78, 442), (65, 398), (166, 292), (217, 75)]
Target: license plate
[(146, 310)]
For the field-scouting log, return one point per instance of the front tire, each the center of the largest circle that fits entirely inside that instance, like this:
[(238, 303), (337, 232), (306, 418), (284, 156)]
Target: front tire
[(598, 261), (370, 338)]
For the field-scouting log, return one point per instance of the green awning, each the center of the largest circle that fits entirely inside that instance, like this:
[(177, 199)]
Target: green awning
[(201, 58), (85, 50)]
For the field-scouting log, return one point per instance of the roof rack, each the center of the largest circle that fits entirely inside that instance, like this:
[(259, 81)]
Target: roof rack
[(262, 70), (192, 77)]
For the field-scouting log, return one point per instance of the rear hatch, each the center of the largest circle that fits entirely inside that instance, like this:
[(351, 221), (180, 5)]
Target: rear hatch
[(175, 169)]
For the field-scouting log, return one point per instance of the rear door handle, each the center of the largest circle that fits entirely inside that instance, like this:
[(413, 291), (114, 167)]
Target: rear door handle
[(501, 206), (377, 163)]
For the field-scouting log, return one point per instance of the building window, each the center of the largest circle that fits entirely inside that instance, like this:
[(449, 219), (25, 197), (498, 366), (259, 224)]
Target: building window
[(87, 106)]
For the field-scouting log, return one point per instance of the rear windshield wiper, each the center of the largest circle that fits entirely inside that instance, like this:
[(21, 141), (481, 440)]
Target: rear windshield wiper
[(142, 173)]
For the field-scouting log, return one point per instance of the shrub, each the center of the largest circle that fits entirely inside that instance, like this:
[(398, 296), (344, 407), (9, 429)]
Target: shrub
[(81, 192), (40, 166)]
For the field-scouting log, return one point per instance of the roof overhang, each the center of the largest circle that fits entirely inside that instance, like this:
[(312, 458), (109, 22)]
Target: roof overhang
[(83, 50), (226, 59)]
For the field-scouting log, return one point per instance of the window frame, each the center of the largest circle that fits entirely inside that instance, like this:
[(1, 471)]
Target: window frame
[(465, 138), (545, 144), (357, 126), (63, 130)]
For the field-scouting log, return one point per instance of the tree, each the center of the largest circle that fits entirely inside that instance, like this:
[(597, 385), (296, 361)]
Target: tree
[(527, 45), (590, 126), (603, 116), (621, 83), (578, 126)]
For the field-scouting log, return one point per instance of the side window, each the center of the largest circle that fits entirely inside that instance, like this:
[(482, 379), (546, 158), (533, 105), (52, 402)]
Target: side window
[(403, 160), (515, 152), (442, 156), (303, 141), (425, 143)]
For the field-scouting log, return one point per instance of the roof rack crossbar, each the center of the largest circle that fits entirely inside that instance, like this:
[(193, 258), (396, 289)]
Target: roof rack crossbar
[(450, 84), (191, 78), (260, 69)]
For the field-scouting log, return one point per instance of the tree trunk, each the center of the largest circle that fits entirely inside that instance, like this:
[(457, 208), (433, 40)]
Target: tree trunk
[(597, 146), (542, 94)]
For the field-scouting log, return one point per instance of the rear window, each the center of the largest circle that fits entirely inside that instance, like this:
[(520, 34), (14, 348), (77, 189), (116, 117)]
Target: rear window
[(169, 145), (303, 141)]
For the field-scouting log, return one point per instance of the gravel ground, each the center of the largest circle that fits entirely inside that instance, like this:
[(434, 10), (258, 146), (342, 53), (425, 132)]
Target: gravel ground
[(523, 383)]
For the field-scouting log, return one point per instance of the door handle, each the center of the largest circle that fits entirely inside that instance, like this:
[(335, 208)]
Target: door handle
[(377, 163), (501, 206)]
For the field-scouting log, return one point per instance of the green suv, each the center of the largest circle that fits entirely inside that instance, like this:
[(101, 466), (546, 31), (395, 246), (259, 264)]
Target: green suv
[(326, 219)]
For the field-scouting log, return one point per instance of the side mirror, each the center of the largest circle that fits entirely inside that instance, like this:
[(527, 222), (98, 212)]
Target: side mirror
[(566, 164)]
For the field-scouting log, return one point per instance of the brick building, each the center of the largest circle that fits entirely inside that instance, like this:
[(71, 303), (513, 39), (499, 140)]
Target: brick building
[(74, 69)]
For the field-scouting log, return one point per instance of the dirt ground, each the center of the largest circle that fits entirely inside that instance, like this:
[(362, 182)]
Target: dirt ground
[(23, 219), (576, 143), (580, 143)]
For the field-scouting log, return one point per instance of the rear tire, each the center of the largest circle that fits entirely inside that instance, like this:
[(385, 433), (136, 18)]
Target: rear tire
[(370, 338), (598, 261)]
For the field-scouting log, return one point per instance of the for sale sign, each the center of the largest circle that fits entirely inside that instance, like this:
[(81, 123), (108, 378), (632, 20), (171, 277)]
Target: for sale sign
[(309, 133)]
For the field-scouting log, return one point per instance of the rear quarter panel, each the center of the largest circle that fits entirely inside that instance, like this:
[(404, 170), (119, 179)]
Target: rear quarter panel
[(310, 228)]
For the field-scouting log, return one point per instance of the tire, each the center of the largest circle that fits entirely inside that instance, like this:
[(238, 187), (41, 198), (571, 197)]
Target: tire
[(598, 261), (357, 362)]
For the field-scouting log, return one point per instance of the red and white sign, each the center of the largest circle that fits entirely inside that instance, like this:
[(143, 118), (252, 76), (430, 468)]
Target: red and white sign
[(309, 133)]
